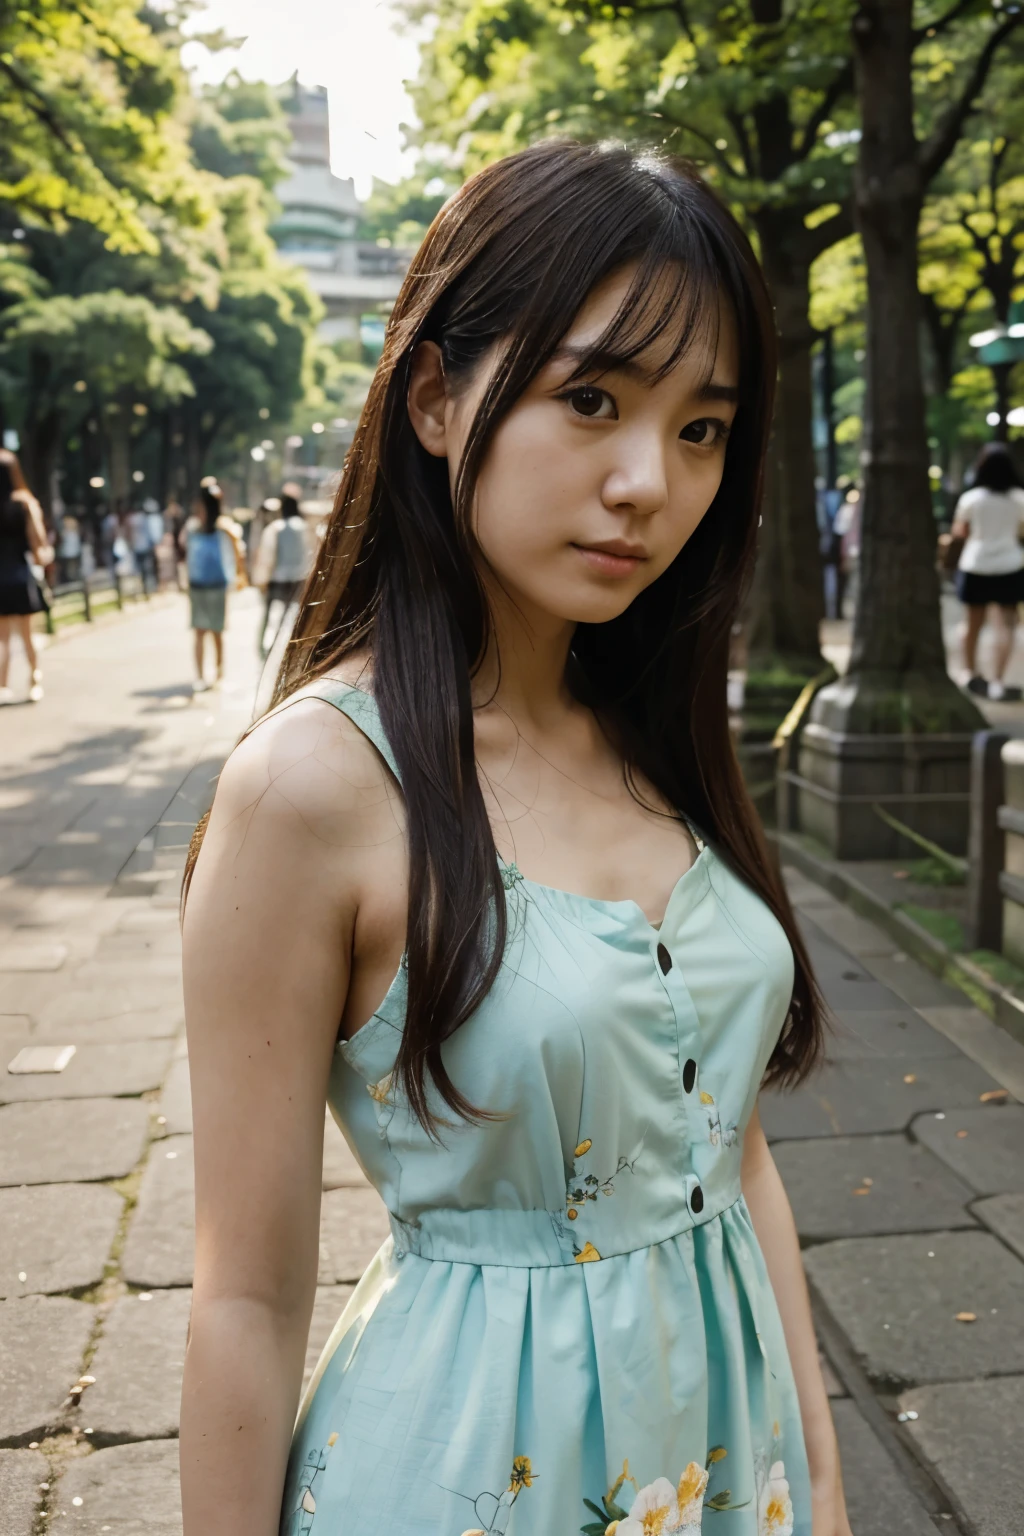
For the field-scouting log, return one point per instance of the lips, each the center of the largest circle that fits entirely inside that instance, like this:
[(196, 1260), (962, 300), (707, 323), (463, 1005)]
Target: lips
[(615, 557)]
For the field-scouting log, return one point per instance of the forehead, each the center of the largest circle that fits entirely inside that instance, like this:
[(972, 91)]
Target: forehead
[(614, 313)]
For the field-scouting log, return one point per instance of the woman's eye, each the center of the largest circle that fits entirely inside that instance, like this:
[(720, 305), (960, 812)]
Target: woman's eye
[(706, 433), (588, 400)]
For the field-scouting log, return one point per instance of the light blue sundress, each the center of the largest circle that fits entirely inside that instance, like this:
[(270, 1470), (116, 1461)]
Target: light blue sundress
[(571, 1327)]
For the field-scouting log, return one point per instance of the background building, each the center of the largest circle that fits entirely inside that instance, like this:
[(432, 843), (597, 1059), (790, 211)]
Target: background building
[(318, 229)]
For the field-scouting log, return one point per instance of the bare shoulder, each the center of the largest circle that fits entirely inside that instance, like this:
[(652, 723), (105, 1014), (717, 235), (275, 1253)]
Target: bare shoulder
[(308, 774)]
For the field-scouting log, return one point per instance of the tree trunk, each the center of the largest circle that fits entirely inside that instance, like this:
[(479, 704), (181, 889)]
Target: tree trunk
[(1001, 379), (897, 680), (788, 602)]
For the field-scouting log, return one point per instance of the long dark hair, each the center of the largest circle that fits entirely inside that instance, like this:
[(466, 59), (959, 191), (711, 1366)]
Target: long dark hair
[(11, 477), (513, 256), (994, 468), (212, 501)]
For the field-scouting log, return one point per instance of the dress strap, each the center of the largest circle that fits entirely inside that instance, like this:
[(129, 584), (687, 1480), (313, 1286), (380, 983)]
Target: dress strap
[(359, 706)]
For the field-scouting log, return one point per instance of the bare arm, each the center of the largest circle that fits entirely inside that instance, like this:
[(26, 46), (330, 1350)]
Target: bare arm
[(776, 1232), (35, 528), (268, 935)]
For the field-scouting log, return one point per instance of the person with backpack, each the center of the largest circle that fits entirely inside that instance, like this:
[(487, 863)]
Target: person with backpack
[(211, 558), (283, 561)]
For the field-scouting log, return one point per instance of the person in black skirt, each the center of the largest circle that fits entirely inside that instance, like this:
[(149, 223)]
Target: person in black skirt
[(990, 572), (22, 539)]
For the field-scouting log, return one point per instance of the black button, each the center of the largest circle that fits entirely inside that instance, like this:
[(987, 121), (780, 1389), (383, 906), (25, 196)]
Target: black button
[(689, 1075), (697, 1199), (664, 959)]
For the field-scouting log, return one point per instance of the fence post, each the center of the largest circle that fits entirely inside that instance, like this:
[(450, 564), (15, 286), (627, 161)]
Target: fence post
[(117, 588), (985, 844), (86, 598)]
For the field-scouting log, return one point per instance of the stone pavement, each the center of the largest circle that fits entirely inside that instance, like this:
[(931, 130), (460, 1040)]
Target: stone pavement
[(904, 1158)]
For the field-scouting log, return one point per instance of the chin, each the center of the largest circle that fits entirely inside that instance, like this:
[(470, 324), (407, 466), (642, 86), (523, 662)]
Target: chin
[(591, 607)]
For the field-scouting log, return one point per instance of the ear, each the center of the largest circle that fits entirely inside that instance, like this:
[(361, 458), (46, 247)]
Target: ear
[(428, 398)]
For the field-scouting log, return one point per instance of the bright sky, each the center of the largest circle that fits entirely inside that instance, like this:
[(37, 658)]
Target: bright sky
[(360, 49)]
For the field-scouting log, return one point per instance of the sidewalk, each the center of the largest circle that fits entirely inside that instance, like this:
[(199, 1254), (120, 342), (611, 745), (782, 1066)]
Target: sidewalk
[(904, 1158)]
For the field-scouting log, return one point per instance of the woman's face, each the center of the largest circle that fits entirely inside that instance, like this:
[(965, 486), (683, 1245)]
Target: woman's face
[(589, 490)]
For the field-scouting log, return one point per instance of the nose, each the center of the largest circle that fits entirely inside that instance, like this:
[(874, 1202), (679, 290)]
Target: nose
[(637, 481)]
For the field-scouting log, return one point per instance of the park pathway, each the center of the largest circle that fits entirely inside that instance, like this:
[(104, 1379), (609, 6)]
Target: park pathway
[(904, 1158)]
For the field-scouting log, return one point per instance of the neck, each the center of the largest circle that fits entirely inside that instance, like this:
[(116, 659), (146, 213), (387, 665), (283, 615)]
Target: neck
[(523, 669)]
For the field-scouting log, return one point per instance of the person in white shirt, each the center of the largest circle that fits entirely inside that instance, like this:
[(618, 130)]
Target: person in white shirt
[(283, 561), (990, 572)]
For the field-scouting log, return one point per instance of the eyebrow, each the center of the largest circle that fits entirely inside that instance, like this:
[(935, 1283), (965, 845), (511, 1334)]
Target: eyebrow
[(612, 362)]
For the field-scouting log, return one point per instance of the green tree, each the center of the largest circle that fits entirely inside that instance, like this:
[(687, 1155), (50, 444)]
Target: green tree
[(88, 96), (760, 95), (897, 681), (112, 352)]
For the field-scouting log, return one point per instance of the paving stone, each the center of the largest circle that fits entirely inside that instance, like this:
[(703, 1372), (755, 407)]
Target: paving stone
[(148, 1024), (160, 1248), (340, 1166), (970, 1434), (94, 1071), (330, 1303), (117, 945), (25, 955), (71, 1140), (855, 1186), (128, 1490), (42, 1342), (846, 982), (854, 933), (58, 1236), (353, 1224), (146, 919), (991, 1156), (867, 1034), (978, 1037), (1004, 1214), (911, 981), (833, 1386), (854, 1098), (109, 1015), (138, 1368), (21, 1472), (163, 970), (878, 1500), (175, 1106), (898, 1306)]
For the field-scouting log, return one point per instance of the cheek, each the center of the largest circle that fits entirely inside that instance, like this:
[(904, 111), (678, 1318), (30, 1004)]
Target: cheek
[(529, 491)]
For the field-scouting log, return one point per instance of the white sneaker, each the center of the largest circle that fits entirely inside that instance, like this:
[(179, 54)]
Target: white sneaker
[(6, 695), (35, 693), (200, 685)]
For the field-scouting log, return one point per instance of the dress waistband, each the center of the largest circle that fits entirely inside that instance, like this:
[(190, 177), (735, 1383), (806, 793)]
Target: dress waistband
[(517, 1239)]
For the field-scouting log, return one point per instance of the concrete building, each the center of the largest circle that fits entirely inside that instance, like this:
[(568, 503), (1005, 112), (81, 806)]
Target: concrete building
[(357, 280)]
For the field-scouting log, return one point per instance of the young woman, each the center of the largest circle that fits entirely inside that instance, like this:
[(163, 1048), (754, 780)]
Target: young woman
[(990, 573), (22, 541), (211, 556), (488, 881)]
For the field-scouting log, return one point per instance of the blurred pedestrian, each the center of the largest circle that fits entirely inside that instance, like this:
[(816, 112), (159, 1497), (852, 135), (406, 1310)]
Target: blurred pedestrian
[(990, 571), (210, 555), (22, 543), (283, 561), (140, 543), (69, 548)]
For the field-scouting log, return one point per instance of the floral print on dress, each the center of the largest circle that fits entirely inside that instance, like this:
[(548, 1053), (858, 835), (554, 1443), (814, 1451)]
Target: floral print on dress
[(728, 1135), (774, 1505), (380, 1092), (581, 1187), (661, 1509), (304, 1513), (495, 1510)]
